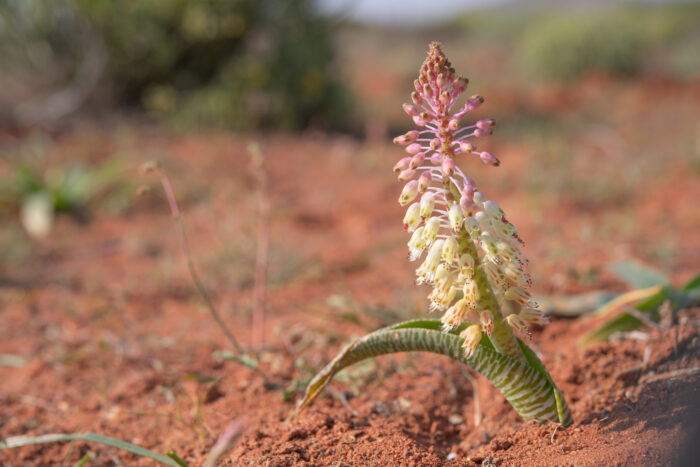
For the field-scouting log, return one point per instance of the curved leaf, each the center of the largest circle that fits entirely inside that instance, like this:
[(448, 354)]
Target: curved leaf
[(17, 441), (527, 386)]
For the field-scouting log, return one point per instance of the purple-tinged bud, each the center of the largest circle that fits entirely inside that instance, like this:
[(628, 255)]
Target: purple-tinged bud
[(453, 124), (402, 164), (417, 160), (467, 147), (424, 181), (418, 121), (473, 102), (414, 148), (441, 80), (489, 159), (460, 84), (419, 87), (409, 192), (417, 99), (436, 159), (444, 97), (486, 123), (426, 117), (469, 186), (427, 91), (409, 137), (465, 203), (406, 175), (481, 132), (411, 110), (448, 166)]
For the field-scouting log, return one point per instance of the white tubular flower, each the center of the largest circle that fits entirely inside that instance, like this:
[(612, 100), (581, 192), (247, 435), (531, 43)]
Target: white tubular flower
[(412, 218), (487, 321), (507, 252), (416, 244), (466, 266), (454, 315), (530, 315), (515, 274), (449, 250), (488, 244), (484, 220), (426, 271), (409, 193), (471, 293), (518, 325), (493, 210), (518, 295), (472, 227), (472, 337), (432, 227), (427, 204), (456, 217)]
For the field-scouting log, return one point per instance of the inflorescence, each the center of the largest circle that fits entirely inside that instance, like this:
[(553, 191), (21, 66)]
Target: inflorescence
[(470, 245)]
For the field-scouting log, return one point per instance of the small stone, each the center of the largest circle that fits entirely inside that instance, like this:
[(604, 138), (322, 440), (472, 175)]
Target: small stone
[(455, 419)]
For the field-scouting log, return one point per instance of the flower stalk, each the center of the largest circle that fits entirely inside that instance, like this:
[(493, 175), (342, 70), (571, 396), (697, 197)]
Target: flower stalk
[(469, 243)]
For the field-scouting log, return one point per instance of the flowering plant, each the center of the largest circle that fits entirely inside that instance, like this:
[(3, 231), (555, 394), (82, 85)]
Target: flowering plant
[(472, 258)]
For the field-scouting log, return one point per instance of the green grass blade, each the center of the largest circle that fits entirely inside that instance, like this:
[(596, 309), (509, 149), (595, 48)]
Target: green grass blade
[(638, 275), (527, 386), (17, 441)]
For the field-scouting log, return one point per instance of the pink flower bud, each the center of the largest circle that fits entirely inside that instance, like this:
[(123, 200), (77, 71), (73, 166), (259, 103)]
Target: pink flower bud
[(444, 97), (414, 148), (424, 181), (418, 86), (427, 91), (489, 159), (417, 99), (418, 121), (435, 144), (409, 137), (441, 80), (485, 123), (481, 132), (453, 125), (402, 164), (465, 203), (417, 160), (411, 110), (460, 85), (448, 166), (473, 102), (406, 175), (467, 147), (436, 159)]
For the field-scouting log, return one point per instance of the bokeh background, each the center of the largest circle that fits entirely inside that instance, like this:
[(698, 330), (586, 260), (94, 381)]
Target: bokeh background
[(598, 111)]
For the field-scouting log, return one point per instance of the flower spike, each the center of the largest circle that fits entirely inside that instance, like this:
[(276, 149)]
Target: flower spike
[(478, 247)]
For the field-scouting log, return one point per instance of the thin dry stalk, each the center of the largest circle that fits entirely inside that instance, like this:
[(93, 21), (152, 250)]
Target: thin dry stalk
[(226, 442), (263, 243), (475, 395), (177, 215)]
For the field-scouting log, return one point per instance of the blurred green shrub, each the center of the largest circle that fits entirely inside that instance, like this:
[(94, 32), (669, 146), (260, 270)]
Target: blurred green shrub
[(237, 63), (565, 48), (564, 45)]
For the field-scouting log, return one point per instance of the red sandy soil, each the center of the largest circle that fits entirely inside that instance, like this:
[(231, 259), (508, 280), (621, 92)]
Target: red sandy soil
[(116, 341)]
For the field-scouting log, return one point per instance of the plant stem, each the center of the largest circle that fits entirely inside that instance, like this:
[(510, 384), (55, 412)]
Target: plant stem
[(177, 215), (502, 337)]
